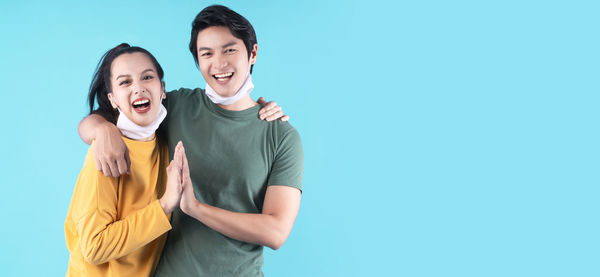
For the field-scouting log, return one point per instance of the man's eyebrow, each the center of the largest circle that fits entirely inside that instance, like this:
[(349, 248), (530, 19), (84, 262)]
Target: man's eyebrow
[(224, 46), (229, 44)]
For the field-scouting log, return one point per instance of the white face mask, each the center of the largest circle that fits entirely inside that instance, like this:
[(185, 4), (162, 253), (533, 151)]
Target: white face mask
[(133, 131), (244, 90)]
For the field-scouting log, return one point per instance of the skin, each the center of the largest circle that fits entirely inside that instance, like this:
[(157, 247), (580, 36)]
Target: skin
[(134, 77), (219, 52)]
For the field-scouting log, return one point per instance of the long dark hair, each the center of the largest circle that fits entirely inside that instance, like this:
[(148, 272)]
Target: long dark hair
[(101, 86)]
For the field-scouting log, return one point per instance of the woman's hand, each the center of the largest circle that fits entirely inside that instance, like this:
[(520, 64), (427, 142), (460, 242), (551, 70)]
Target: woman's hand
[(270, 111), (110, 152), (172, 196), (188, 199)]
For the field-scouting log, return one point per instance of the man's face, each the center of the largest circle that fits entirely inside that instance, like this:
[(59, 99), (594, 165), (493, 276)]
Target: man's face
[(223, 59)]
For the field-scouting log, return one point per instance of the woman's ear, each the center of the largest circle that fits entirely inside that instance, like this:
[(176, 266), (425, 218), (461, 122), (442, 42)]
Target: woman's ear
[(164, 94), (112, 102)]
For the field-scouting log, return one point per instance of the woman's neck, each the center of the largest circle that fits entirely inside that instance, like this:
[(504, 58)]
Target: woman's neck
[(151, 137)]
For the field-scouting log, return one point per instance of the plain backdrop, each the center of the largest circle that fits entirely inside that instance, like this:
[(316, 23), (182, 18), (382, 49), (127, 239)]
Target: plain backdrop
[(441, 138)]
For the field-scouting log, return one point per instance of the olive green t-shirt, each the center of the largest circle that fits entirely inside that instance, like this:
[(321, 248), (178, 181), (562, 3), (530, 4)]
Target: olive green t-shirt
[(233, 157)]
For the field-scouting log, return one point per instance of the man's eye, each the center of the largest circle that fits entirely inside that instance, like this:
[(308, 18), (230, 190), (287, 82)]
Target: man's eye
[(229, 51), (205, 54), (124, 82)]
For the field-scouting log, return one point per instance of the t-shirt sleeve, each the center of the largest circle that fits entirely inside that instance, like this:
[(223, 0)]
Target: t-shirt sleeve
[(288, 167)]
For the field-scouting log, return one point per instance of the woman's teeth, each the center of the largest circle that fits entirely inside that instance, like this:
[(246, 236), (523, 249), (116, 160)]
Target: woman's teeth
[(140, 103)]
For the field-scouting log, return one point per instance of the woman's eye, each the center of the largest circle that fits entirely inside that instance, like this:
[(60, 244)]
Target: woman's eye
[(124, 82), (205, 54), (148, 77)]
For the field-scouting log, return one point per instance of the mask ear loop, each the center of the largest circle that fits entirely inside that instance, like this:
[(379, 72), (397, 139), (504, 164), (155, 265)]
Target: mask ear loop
[(109, 95), (247, 75)]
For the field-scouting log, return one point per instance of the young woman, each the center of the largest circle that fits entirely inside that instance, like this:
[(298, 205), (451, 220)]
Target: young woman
[(116, 226)]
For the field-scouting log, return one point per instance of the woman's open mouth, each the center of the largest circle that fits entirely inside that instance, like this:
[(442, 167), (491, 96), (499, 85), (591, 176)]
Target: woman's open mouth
[(141, 105)]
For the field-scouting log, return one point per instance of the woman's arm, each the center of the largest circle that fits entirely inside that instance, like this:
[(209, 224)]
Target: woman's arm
[(271, 111), (104, 237), (269, 228)]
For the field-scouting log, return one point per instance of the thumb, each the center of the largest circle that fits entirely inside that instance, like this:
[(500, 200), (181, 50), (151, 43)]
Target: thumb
[(261, 101)]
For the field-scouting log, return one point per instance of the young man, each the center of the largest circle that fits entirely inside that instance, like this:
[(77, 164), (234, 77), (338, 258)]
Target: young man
[(246, 172)]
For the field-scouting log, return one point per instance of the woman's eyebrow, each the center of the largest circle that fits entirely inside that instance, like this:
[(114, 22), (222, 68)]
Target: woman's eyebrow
[(149, 69), (123, 75)]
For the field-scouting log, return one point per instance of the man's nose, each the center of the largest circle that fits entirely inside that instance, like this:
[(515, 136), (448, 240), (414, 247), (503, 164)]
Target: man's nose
[(222, 62)]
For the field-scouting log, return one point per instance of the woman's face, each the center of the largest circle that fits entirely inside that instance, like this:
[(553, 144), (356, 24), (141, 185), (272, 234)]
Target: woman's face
[(135, 87), (223, 59)]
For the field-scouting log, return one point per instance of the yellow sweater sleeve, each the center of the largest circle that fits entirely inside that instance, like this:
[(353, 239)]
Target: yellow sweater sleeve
[(102, 235)]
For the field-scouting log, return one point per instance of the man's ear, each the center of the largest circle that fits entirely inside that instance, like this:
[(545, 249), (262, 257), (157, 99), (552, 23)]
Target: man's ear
[(253, 53), (164, 94), (112, 102)]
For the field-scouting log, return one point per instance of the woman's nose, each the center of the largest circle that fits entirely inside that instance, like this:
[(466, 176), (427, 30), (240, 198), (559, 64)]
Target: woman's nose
[(136, 88)]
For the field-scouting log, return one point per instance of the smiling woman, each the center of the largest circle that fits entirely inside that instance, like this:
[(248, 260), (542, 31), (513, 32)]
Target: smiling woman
[(137, 91), (117, 226)]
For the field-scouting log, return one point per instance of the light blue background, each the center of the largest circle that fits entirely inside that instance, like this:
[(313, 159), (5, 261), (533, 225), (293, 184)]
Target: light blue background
[(442, 138)]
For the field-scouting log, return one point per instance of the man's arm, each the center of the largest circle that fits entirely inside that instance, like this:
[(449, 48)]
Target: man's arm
[(269, 228), (110, 152)]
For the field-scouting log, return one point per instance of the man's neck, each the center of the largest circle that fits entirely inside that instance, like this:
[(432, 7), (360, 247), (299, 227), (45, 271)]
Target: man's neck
[(244, 103)]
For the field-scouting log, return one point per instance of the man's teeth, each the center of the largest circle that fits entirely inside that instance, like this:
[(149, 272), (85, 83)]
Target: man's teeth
[(141, 102), (224, 75)]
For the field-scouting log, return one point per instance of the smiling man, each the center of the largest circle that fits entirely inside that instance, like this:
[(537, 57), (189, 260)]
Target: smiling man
[(246, 173)]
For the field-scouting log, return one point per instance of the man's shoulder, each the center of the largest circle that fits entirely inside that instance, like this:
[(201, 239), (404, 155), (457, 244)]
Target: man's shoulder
[(180, 98), (183, 92), (283, 131)]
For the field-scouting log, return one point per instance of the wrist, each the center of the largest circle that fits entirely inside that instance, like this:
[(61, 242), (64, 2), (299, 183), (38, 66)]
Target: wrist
[(103, 129), (191, 206), (164, 206)]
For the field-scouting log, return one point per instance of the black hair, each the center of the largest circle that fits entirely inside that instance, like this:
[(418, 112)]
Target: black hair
[(101, 85), (217, 15)]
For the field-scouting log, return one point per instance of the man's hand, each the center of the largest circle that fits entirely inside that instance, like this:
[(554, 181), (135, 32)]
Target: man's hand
[(188, 199), (270, 111), (172, 196), (110, 152)]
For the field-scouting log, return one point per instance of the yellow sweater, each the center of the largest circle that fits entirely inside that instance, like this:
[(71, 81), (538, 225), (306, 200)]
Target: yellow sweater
[(116, 226)]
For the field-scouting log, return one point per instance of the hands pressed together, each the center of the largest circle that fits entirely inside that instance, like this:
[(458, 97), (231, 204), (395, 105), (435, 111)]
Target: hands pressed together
[(179, 191)]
